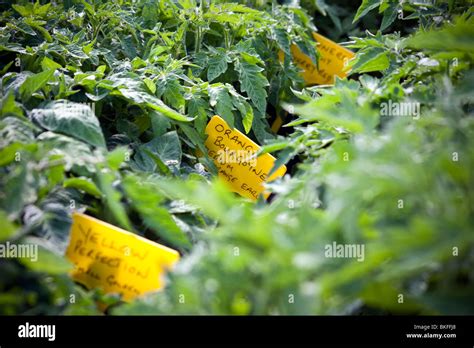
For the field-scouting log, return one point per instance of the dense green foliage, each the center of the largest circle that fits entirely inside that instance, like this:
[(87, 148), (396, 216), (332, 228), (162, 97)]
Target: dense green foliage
[(157, 71)]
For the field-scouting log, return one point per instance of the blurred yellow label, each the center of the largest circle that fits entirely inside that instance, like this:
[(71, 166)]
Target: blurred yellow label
[(332, 61), (233, 154), (115, 260)]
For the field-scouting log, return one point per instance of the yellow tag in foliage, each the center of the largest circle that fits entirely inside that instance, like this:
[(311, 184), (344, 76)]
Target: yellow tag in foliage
[(332, 61), (115, 260), (233, 154)]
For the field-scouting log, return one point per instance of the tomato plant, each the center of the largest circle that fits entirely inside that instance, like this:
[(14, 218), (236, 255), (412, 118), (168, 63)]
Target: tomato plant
[(103, 110)]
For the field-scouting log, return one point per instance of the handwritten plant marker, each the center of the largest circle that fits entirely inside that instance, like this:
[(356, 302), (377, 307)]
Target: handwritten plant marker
[(332, 61), (233, 154), (116, 260)]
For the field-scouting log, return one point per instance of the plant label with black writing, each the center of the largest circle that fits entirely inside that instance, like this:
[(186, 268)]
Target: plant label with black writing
[(116, 260), (234, 156), (332, 61)]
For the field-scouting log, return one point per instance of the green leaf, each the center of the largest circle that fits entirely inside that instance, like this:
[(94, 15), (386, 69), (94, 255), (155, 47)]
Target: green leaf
[(8, 228), (217, 65), (196, 138), (457, 36), (172, 92), (247, 120), (34, 83), (9, 153), (221, 101), (128, 47), (76, 51), (283, 158), (277, 146), (46, 261), (19, 188), (141, 97), (24, 10), (49, 64), (389, 15), (150, 84), (159, 163), (32, 9), (253, 82), (41, 10), (83, 184), (145, 198), (373, 59), (366, 7), (167, 147), (77, 154), (197, 108), (281, 36), (117, 157), (9, 106), (245, 109), (112, 198), (51, 219), (159, 123), (192, 191), (38, 25), (16, 130), (72, 119)]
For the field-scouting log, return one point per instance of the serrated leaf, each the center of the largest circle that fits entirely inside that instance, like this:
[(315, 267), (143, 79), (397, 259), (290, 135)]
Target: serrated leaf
[(245, 109), (389, 15), (47, 262), (221, 101), (366, 7), (128, 47), (373, 59), (195, 137), (49, 64), (78, 155), (146, 199), (9, 106), (159, 163), (457, 37), (253, 82), (24, 10), (159, 123), (72, 119), (172, 92), (150, 84), (141, 97), (51, 220), (247, 119), (117, 157), (34, 83), (198, 107), (282, 39), (83, 184), (217, 65), (76, 51), (8, 228), (15, 130), (167, 147), (112, 198), (273, 147)]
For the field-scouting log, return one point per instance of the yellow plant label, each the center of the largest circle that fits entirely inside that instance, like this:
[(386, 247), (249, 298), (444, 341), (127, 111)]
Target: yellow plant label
[(332, 61), (115, 260), (233, 154)]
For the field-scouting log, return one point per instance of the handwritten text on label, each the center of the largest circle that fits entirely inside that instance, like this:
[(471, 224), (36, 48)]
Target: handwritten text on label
[(115, 260), (244, 176), (332, 61)]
